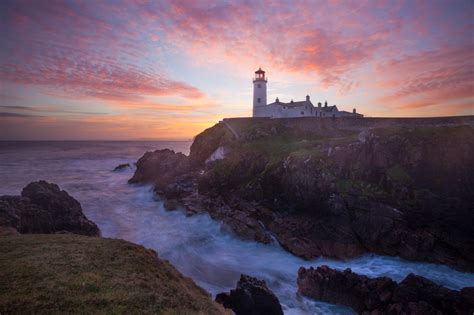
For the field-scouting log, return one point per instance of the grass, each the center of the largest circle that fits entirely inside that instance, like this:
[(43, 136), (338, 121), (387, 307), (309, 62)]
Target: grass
[(51, 274), (423, 133), (361, 188), (279, 147)]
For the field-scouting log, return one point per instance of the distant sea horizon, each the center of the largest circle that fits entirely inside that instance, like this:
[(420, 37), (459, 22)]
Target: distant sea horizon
[(98, 140)]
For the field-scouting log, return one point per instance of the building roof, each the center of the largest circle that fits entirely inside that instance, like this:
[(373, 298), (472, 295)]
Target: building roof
[(351, 113), (259, 71), (293, 104), (332, 108), (329, 108)]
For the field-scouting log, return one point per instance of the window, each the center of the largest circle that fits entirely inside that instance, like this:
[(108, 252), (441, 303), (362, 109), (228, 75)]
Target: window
[(302, 113), (258, 100), (259, 86)]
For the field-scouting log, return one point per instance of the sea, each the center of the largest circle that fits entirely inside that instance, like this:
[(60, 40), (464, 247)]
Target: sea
[(197, 246)]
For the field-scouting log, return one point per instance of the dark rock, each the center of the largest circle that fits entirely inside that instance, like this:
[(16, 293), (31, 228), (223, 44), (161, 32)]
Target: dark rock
[(44, 208), (416, 292), (207, 142), (251, 297), (171, 204), (468, 294), (224, 299), (245, 219), (181, 186), (414, 295), (309, 237), (160, 168), (121, 167)]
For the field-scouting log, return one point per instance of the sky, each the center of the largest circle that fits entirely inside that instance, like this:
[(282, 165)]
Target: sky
[(120, 70)]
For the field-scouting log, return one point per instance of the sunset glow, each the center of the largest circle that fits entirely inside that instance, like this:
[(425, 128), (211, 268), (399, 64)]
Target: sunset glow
[(169, 69)]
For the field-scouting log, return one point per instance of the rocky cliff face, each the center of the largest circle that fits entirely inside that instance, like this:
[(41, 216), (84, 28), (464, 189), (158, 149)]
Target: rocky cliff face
[(44, 208), (338, 192)]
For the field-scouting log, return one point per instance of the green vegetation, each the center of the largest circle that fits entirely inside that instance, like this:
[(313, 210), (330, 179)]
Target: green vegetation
[(398, 174), (360, 188), (50, 274), (296, 163), (278, 147), (423, 132)]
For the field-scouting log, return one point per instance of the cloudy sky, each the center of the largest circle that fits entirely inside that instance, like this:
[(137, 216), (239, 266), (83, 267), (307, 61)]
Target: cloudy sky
[(169, 69)]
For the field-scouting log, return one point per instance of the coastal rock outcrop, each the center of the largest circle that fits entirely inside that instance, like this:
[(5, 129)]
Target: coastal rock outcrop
[(44, 208), (160, 168), (328, 190), (413, 295), (251, 297), (121, 167)]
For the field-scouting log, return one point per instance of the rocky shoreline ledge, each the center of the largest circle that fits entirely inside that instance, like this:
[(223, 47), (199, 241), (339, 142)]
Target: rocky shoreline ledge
[(338, 191), (382, 295)]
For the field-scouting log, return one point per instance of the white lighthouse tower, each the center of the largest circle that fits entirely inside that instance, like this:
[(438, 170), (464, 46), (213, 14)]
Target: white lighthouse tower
[(259, 90)]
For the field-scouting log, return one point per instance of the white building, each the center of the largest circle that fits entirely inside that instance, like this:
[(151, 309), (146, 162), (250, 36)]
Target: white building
[(279, 109)]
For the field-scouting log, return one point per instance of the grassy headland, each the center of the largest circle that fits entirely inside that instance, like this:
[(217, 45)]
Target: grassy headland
[(50, 274)]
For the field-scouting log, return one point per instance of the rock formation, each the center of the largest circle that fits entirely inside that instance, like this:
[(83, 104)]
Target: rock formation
[(336, 191), (44, 208), (121, 167), (251, 297), (414, 295), (160, 168)]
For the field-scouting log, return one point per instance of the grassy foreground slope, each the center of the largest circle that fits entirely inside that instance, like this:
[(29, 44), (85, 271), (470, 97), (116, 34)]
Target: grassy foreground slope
[(77, 274)]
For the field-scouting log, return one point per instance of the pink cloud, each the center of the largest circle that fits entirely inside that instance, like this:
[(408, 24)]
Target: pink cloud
[(76, 74), (294, 37), (438, 76), (69, 49)]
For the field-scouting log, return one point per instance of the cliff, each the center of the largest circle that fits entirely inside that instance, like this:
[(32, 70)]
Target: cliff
[(336, 187)]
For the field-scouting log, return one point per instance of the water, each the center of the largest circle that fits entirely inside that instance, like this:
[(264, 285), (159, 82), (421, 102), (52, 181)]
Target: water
[(197, 246)]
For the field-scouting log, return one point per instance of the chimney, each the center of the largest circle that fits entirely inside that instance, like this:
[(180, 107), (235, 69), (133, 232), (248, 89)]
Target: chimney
[(277, 100), (319, 104), (307, 98), (354, 111)]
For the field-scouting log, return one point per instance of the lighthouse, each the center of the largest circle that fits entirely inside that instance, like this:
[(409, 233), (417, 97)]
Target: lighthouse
[(259, 90)]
